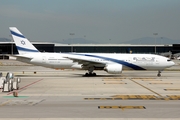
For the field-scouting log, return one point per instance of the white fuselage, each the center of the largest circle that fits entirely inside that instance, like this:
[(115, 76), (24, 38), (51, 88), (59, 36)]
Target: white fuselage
[(128, 61)]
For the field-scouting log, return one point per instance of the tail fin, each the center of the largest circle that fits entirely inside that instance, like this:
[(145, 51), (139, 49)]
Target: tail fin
[(22, 43)]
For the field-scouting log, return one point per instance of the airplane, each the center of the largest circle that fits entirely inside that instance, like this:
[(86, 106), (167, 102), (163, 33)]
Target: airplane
[(112, 63)]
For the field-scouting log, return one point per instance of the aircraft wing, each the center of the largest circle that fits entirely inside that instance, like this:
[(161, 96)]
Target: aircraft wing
[(85, 60)]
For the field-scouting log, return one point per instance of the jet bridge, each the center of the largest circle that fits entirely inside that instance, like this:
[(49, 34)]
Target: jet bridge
[(9, 83)]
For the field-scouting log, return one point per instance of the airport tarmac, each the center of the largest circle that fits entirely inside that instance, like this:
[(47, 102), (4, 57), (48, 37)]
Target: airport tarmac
[(65, 94)]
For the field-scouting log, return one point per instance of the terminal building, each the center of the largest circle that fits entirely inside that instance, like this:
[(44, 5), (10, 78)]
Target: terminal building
[(113, 48), (10, 48)]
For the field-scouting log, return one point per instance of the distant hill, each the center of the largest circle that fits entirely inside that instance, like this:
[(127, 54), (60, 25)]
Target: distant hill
[(77, 41), (151, 41), (5, 40), (141, 41), (67, 41)]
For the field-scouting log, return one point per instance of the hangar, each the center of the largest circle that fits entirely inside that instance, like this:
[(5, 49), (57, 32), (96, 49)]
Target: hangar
[(10, 48)]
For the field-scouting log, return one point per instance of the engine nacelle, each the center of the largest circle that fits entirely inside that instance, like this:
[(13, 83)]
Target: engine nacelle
[(113, 69), (77, 66)]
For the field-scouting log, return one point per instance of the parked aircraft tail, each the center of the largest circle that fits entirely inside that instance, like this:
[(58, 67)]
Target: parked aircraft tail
[(22, 43)]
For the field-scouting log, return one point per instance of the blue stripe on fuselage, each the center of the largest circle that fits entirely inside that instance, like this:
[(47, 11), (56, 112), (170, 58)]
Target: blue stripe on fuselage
[(130, 65), (16, 34), (25, 49)]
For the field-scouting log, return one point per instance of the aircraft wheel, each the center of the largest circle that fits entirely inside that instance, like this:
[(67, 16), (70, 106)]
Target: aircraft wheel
[(94, 74), (86, 74), (159, 75)]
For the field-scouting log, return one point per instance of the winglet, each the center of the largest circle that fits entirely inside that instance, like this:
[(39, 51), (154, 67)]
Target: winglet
[(23, 45)]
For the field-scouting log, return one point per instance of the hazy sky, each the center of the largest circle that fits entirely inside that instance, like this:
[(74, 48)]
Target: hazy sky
[(106, 21)]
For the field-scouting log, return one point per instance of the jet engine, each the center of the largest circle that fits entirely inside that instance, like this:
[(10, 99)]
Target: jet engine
[(113, 69)]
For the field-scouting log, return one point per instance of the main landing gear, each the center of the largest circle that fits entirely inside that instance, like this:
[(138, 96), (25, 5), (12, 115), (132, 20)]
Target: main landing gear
[(159, 73), (90, 72)]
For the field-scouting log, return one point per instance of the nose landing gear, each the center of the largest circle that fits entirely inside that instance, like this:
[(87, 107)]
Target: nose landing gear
[(159, 73)]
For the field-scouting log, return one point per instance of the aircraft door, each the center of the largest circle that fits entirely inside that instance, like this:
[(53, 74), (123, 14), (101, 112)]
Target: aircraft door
[(44, 59), (156, 61)]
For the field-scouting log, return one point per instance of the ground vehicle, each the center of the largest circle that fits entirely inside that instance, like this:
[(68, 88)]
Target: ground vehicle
[(9, 83)]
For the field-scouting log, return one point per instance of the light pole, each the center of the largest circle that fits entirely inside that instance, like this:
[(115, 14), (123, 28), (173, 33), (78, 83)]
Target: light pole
[(71, 42), (155, 42), (161, 40)]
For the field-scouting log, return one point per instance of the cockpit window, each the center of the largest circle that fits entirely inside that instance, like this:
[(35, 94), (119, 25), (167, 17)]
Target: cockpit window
[(168, 60)]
